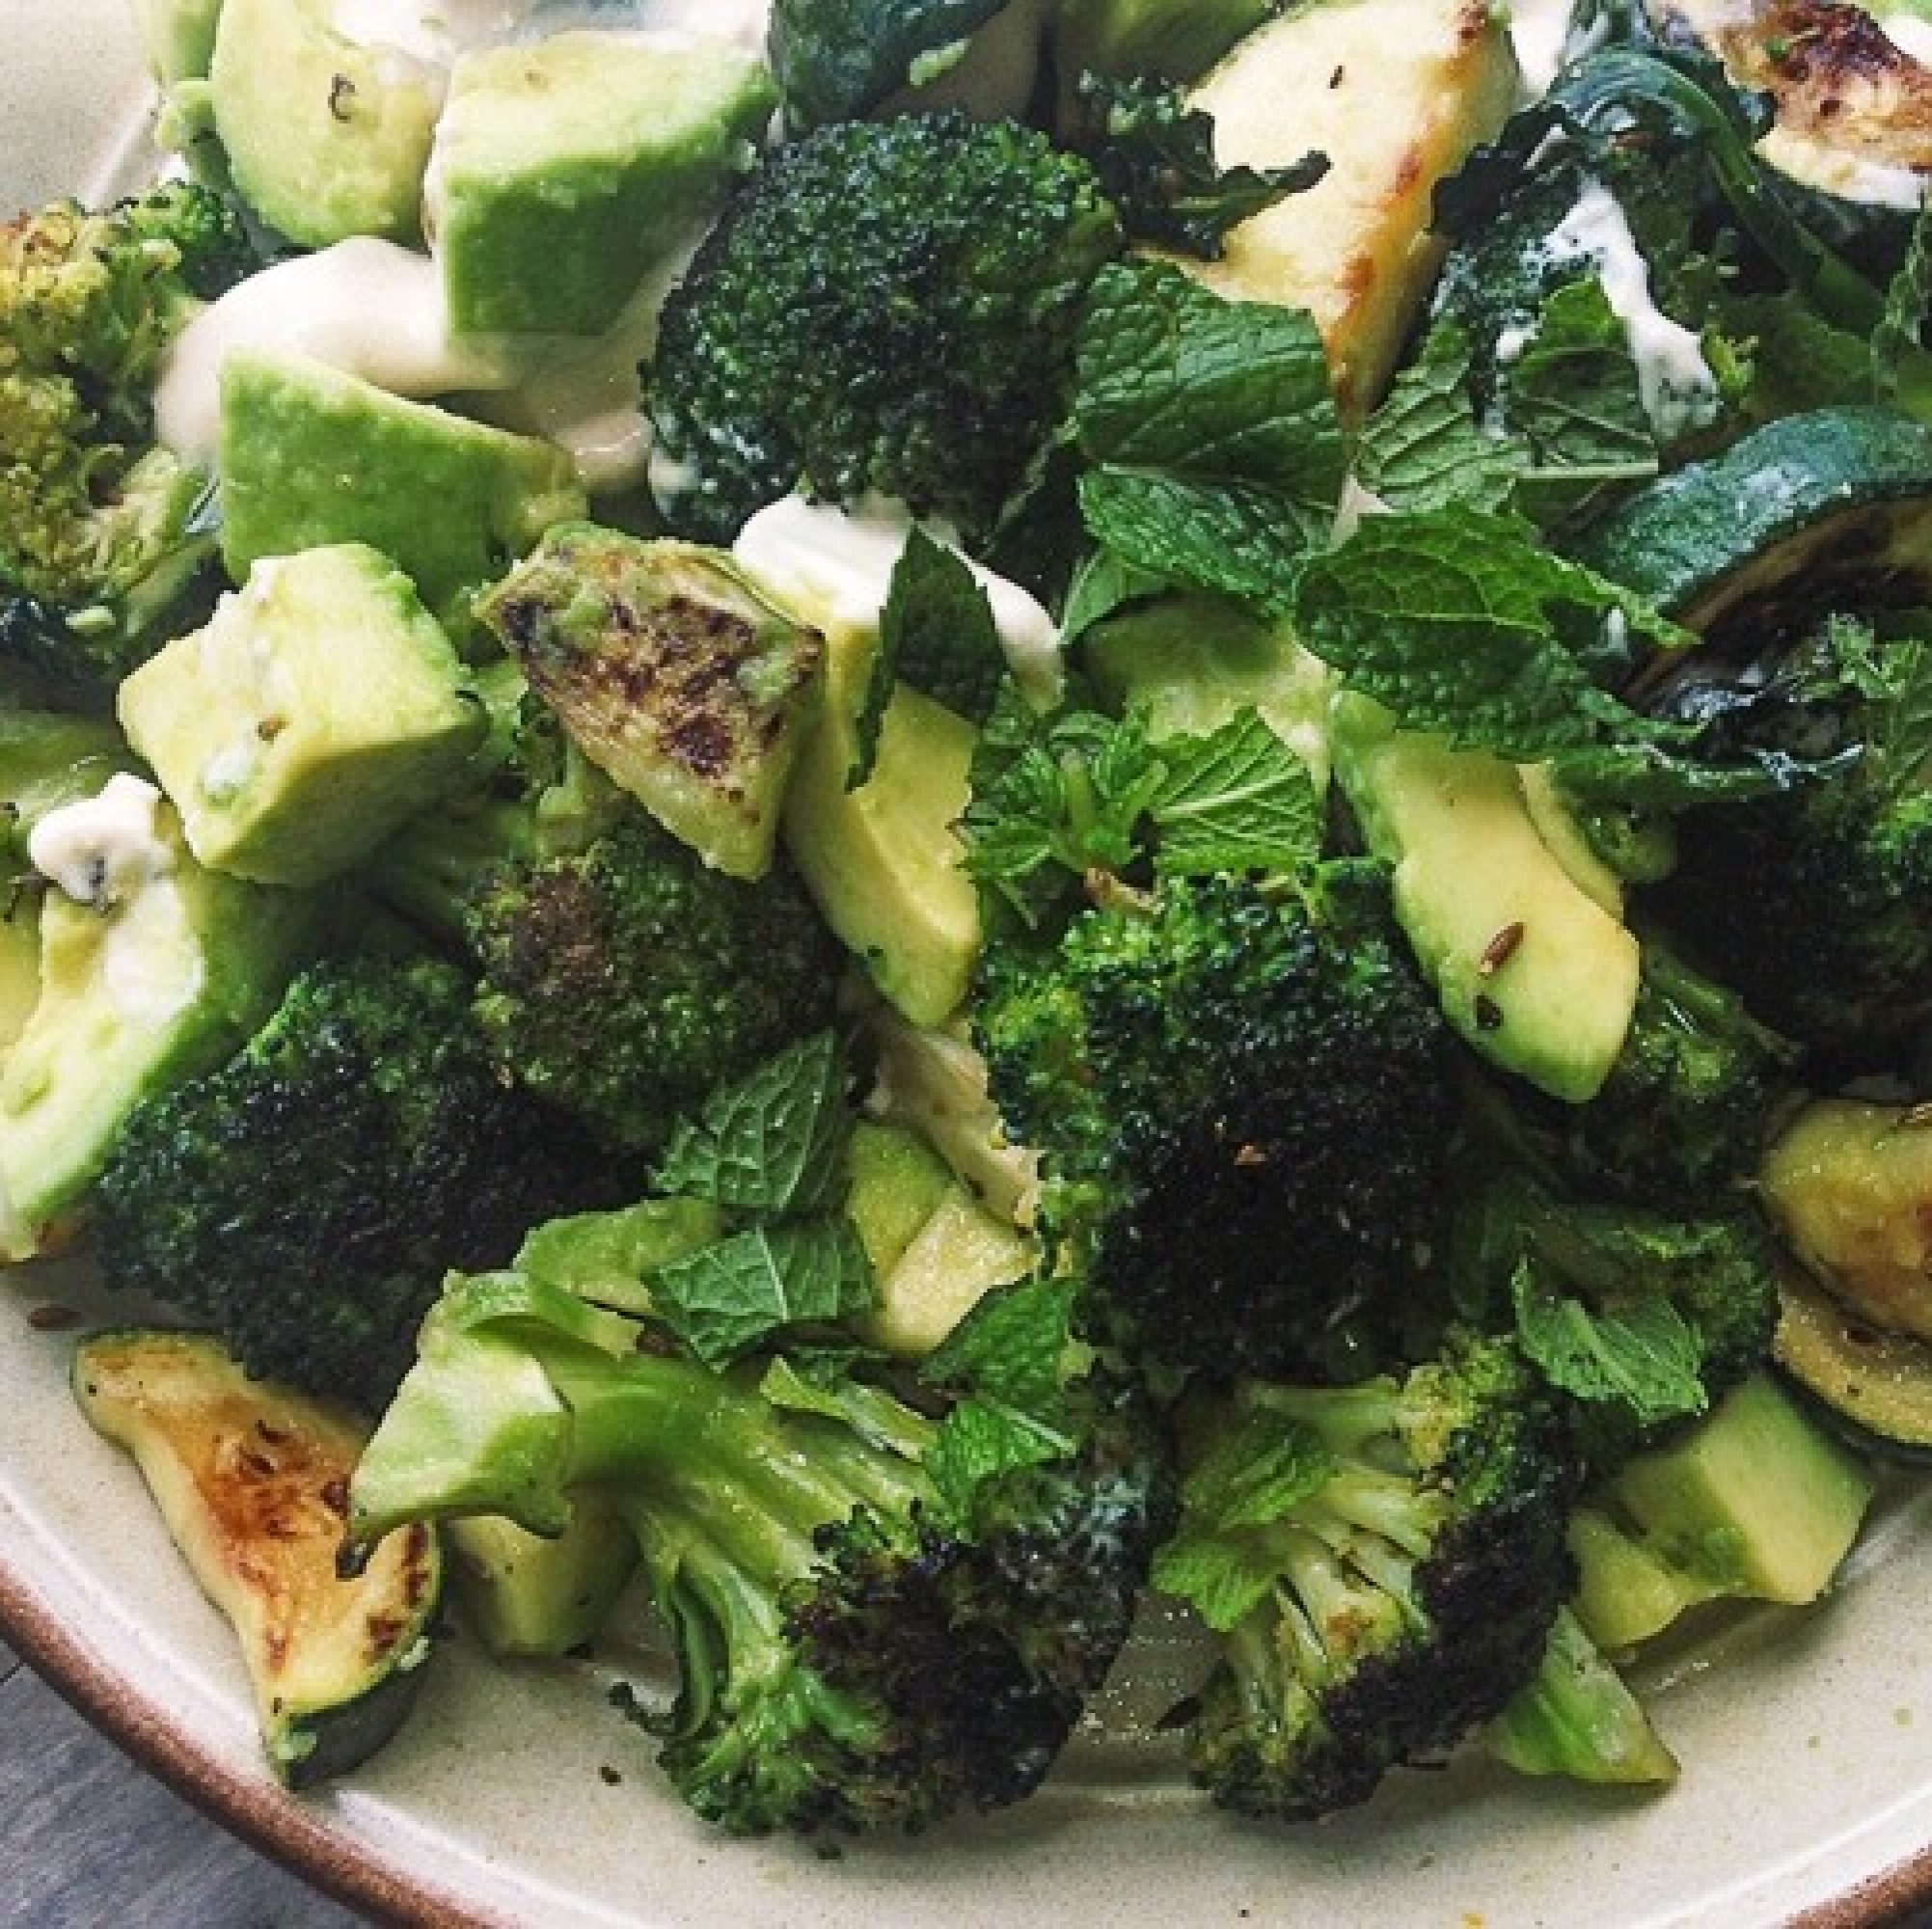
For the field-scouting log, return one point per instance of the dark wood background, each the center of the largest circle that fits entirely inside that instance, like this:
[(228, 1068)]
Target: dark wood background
[(89, 1842)]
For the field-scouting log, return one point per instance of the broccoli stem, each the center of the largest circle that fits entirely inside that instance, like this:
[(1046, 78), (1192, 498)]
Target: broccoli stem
[(1576, 1718)]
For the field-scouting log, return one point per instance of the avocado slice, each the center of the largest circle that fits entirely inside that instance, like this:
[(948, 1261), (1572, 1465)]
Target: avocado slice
[(154, 973), (564, 171), (531, 1598), (885, 863), (325, 138), (1534, 973), (319, 710), (459, 502), (1625, 1592), (1197, 661), (673, 674), (898, 1181), (958, 1257), (1756, 1500), (178, 37), (20, 962)]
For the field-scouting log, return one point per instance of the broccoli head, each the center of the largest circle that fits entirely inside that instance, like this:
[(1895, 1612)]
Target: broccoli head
[(619, 978), (1243, 1099), (1692, 1096), (1384, 1563), (887, 307), (102, 534), (1816, 903), (858, 1644), (307, 1198)]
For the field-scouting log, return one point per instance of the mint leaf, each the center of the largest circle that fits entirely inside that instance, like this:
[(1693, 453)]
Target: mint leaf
[(977, 1443), (610, 1258), (1223, 1578), (1259, 1470), (1011, 1348), (1901, 329), (1460, 622), (774, 1142), (1236, 799), (1645, 1356), (732, 1297), (936, 634), (1155, 155), (1423, 448), (1217, 453), (1103, 586)]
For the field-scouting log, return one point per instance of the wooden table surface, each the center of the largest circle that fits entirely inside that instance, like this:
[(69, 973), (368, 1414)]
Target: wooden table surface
[(89, 1841)]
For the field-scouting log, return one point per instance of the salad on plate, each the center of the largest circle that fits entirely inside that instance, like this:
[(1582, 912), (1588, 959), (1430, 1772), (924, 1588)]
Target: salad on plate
[(944, 823)]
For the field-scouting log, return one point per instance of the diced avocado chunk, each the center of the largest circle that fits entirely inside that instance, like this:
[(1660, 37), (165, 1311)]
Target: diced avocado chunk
[(1576, 1718), (302, 443), (1758, 1501), (529, 1596), (564, 171), (1196, 662), (319, 710), (885, 863), (178, 35), (673, 674), (20, 962), (1395, 93), (952, 1263), (1625, 1593), (325, 138), (152, 970), (1530, 969), (897, 1183)]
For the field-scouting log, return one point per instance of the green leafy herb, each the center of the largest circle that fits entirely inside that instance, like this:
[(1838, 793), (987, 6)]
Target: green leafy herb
[(730, 1298), (1901, 330), (1104, 586), (774, 1142), (1224, 1578), (1257, 1472), (1644, 1356), (1218, 453), (977, 1443), (1011, 1348), (1892, 675), (1236, 799), (1155, 155), (936, 634), (1425, 449)]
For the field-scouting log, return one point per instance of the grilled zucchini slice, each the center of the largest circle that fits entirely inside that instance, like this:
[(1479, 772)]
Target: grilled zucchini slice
[(252, 1482)]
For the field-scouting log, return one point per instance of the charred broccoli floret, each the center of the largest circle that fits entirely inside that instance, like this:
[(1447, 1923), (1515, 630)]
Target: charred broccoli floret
[(1816, 904), (859, 1643), (619, 979), (886, 308), (103, 535), (1243, 1099), (307, 1198), (1384, 1564), (1692, 1096)]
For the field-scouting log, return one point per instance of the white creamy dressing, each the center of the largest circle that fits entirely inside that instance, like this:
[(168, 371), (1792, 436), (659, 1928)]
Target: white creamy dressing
[(365, 307), (834, 567), (1540, 29), (1679, 391), (1910, 33), (427, 37)]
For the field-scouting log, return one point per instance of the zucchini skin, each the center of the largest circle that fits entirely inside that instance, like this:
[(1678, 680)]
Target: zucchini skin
[(1875, 1395), (1834, 496)]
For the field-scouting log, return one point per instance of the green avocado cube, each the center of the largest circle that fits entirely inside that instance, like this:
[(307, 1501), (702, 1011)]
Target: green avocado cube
[(311, 456), (319, 710), (565, 172)]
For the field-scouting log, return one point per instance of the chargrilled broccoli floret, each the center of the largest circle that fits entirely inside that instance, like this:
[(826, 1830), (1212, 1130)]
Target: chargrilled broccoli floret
[(1384, 1564), (1692, 1096), (620, 979), (1816, 904), (307, 1198), (1243, 1099), (886, 308), (103, 535), (857, 1645)]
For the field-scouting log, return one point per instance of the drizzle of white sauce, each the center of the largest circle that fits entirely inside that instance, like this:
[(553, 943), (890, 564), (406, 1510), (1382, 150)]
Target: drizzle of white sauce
[(431, 32), (365, 307), (1679, 391), (1539, 31), (834, 566)]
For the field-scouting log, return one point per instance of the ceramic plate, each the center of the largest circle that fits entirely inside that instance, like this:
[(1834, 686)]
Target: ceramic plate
[(518, 1796)]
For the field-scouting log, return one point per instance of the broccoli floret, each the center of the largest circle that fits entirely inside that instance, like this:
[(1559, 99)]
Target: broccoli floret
[(1384, 1563), (619, 978), (886, 308), (1243, 1099), (1714, 1273), (103, 535), (1816, 904), (856, 1647), (307, 1198), (1692, 1096)]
